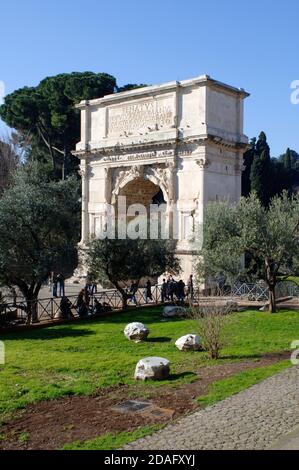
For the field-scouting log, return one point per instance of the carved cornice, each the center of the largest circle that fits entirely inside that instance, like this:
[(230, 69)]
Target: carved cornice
[(131, 148), (182, 147)]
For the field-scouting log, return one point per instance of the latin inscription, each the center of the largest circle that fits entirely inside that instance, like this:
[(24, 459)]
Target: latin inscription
[(138, 156), (149, 115)]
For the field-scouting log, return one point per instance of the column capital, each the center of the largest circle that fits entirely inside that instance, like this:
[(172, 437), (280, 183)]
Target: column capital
[(203, 162)]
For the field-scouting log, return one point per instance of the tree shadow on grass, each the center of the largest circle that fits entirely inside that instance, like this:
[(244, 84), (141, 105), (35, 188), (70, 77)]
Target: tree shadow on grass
[(129, 316), (51, 333)]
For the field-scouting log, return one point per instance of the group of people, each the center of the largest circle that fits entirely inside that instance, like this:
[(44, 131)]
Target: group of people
[(57, 284), (172, 289), (131, 292), (83, 305), (83, 300)]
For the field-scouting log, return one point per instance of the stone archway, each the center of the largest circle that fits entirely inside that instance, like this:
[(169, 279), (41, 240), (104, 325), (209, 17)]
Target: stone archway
[(142, 191), (159, 176), (185, 138), (138, 197)]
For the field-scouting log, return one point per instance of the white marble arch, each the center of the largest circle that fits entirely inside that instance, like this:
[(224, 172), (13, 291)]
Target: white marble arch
[(186, 137)]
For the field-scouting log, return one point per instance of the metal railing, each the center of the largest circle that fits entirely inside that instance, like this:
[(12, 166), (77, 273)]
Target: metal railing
[(287, 289), (250, 291), (48, 310)]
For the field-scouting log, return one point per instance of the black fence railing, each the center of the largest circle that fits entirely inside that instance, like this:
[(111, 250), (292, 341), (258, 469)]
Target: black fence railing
[(49, 309)]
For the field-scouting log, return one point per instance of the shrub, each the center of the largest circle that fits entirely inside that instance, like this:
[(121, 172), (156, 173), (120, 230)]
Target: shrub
[(211, 321)]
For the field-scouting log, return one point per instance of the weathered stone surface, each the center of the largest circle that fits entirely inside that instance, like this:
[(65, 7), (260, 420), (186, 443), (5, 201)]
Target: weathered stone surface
[(189, 342), (173, 311), (133, 130), (136, 332), (153, 368)]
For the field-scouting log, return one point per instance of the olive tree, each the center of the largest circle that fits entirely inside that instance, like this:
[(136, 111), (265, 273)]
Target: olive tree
[(268, 235), (122, 260), (38, 233)]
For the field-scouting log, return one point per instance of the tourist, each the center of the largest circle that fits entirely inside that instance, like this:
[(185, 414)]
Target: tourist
[(54, 285), (133, 290), (190, 287), (148, 291), (81, 306), (86, 291), (66, 308), (171, 288), (60, 285), (98, 307), (168, 284), (93, 288), (107, 307), (180, 290), (164, 291)]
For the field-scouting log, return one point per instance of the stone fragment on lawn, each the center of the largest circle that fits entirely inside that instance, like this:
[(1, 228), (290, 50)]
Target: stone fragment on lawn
[(136, 332), (188, 343), (154, 368), (173, 311)]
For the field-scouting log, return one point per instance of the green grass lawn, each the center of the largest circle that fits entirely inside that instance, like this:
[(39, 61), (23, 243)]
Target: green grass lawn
[(80, 357), (112, 441)]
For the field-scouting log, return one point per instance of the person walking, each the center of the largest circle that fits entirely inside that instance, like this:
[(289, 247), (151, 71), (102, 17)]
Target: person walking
[(148, 291), (54, 285), (133, 290), (180, 291), (164, 291), (93, 288), (172, 288), (168, 287), (190, 287), (61, 285), (86, 291)]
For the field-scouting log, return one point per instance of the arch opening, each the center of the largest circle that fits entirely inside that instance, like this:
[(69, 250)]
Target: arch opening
[(140, 193)]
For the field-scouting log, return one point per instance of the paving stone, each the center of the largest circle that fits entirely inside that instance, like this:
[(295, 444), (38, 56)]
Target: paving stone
[(252, 419)]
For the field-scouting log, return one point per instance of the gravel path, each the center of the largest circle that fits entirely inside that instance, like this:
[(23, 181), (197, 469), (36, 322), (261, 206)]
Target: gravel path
[(253, 419)]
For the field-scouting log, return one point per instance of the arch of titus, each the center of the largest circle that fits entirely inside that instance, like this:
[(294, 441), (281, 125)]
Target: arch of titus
[(181, 140)]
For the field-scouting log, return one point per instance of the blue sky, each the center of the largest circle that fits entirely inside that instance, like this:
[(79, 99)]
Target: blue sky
[(252, 44)]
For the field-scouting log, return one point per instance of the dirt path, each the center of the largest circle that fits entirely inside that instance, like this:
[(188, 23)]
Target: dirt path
[(51, 424)]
